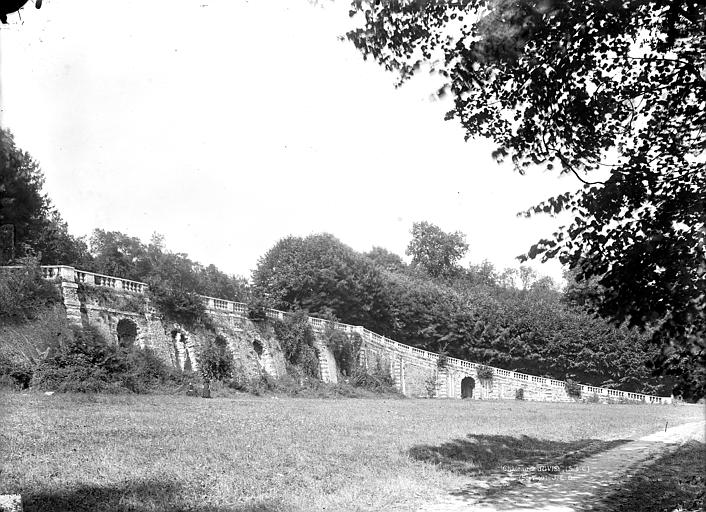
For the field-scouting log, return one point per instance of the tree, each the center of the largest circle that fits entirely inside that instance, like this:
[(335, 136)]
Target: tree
[(527, 276), (22, 203), (38, 229), (435, 251), (57, 246), (216, 283), (386, 259), (483, 274), (11, 6), (117, 254), (613, 92), (323, 276)]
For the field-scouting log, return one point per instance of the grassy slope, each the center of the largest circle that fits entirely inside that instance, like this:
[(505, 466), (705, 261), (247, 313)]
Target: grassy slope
[(65, 452)]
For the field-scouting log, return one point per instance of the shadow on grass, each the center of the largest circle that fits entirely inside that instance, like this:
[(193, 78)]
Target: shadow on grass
[(672, 481), (132, 496), (493, 454)]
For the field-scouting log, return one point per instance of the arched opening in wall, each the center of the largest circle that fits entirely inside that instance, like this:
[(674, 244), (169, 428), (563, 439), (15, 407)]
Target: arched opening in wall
[(467, 386), (257, 346), (127, 333)]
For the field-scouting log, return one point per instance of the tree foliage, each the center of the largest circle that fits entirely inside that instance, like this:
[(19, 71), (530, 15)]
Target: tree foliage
[(532, 330), (386, 259), (296, 337), (611, 91), (435, 251), (175, 281), (39, 230), (320, 274), (24, 293)]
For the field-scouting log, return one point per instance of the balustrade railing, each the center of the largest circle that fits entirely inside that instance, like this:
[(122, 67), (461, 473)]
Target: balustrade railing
[(319, 324)]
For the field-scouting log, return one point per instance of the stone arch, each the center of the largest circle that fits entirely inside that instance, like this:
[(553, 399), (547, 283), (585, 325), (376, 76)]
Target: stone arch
[(468, 384), (127, 331)]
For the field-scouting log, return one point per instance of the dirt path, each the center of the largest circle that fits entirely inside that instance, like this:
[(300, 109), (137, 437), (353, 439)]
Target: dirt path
[(567, 491)]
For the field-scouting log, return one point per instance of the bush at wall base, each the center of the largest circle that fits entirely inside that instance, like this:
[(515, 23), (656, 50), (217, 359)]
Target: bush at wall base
[(573, 389)]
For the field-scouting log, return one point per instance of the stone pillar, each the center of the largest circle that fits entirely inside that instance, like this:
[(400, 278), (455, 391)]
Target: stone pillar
[(324, 370), (449, 383), (69, 294), (67, 274), (398, 373), (403, 387)]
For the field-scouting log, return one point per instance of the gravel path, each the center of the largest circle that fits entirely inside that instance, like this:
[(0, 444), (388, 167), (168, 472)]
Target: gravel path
[(567, 491)]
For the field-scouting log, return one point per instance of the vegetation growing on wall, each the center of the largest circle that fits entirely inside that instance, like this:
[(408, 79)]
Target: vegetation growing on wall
[(573, 388), (345, 348), (485, 373), (215, 360), (24, 293), (374, 376), (85, 363), (178, 305), (431, 384), (296, 337), (110, 298)]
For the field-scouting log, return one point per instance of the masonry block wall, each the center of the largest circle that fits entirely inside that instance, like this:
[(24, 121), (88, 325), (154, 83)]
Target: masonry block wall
[(104, 302), (255, 348)]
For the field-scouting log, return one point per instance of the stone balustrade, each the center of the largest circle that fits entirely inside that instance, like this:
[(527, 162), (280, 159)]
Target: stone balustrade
[(71, 274)]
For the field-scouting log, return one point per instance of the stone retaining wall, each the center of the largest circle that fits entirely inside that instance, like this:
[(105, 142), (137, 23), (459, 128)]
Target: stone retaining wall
[(415, 371)]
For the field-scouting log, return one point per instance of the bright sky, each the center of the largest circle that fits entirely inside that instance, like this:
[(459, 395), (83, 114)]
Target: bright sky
[(226, 125)]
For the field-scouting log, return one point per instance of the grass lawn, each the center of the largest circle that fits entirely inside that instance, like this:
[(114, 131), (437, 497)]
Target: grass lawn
[(153, 452)]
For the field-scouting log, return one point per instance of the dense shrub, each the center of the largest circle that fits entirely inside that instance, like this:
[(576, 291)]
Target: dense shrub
[(257, 309), (215, 360), (311, 388), (485, 373), (573, 389), (256, 386), (431, 384), (110, 298), (15, 374), (24, 293), (178, 304), (296, 338), (375, 377), (345, 348), (443, 360), (87, 364)]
